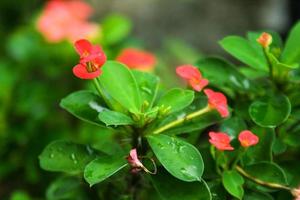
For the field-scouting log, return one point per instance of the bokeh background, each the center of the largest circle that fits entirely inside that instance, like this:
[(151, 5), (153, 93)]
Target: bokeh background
[(35, 73)]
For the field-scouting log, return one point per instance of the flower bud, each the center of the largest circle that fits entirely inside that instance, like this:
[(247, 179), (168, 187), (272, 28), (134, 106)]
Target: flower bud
[(265, 39)]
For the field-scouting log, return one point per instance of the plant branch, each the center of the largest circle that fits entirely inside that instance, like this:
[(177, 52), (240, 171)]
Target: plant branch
[(260, 182), (181, 120)]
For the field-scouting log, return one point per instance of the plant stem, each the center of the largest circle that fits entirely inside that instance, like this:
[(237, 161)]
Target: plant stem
[(269, 63), (181, 120), (100, 91), (260, 182)]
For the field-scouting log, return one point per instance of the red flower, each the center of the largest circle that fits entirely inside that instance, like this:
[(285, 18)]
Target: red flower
[(247, 138), (193, 76), (134, 161), (91, 60), (137, 59), (218, 101), (66, 20), (265, 39), (220, 140)]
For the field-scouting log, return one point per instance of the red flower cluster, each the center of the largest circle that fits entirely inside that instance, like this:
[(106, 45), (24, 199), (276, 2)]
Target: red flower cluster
[(222, 141), (193, 76), (66, 20), (137, 59), (92, 58), (218, 101)]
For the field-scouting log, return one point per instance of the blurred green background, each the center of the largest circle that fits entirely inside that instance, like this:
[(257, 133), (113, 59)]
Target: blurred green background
[(36, 74)]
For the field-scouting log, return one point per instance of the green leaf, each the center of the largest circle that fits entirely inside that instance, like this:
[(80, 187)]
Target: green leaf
[(179, 158), (118, 81), (148, 85), (262, 151), (114, 118), (115, 28), (233, 126), (170, 188), (291, 51), (177, 99), (270, 111), (103, 167), (233, 183), (85, 105), (63, 156), (227, 76), (242, 49), (267, 172), (255, 195), (64, 188)]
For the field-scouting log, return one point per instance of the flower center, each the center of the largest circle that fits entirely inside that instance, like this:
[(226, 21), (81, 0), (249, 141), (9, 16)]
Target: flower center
[(91, 67)]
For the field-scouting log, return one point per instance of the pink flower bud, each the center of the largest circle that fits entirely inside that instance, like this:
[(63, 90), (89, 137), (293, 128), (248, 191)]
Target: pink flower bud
[(265, 39)]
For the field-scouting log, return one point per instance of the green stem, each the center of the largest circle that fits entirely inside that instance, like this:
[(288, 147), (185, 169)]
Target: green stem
[(269, 63), (241, 152), (181, 120), (260, 182), (100, 91)]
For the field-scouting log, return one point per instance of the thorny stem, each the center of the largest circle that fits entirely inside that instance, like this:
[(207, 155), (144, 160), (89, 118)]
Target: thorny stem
[(181, 120), (260, 182)]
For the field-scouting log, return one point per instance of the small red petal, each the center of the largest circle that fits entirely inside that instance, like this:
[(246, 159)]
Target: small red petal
[(188, 72), (83, 46), (218, 101), (247, 138), (80, 71), (136, 58), (220, 140), (198, 85)]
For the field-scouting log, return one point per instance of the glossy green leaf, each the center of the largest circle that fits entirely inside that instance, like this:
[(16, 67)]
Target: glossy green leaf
[(262, 151), (270, 111), (233, 183), (85, 105), (64, 156), (227, 76), (179, 158), (118, 81), (64, 188), (267, 171), (170, 188), (103, 167), (242, 49), (148, 85), (114, 118), (177, 99), (115, 28), (291, 52)]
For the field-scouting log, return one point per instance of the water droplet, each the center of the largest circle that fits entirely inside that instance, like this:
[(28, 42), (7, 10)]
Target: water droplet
[(73, 157), (89, 150), (51, 155), (161, 146), (182, 115), (147, 90), (189, 171)]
